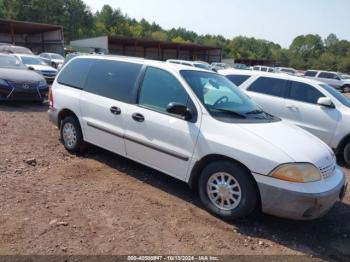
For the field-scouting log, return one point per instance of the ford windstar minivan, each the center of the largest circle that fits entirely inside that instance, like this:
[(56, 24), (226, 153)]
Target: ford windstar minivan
[(197, 126)]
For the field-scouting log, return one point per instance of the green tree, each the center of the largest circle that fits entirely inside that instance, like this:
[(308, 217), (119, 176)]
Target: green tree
[(159, 35)]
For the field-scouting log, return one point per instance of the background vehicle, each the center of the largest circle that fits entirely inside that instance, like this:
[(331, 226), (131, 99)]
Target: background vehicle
[(286, 70), (14, 49), (52, 59), (218, 66), (238, 77), (241, 66), (19, 83), (332, 78), (197, 64), (36, 64), (311, 105), (196, 126), (264, 69)]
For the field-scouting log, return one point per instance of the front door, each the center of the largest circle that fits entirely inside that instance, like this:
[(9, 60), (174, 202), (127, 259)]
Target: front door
[(154, 137), (319, 120)]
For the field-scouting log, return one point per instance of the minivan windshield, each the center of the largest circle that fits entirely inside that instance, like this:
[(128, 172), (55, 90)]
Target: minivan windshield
[(339, 96), (57, 57), (11, 62), (29, 60), (223, 100)]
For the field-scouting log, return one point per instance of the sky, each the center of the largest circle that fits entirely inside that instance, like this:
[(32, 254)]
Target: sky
[(279, 21)]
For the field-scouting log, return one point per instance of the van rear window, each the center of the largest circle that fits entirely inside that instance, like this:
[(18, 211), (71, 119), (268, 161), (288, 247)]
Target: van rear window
[(74, 74), (112, 79)]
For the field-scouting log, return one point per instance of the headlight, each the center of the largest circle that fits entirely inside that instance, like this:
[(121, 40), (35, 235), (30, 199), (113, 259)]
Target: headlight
[(3, 82), (42, 83), (298, 173)]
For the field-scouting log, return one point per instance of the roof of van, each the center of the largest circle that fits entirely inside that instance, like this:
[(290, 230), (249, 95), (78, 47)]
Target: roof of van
[(226, 72), (143, 61)]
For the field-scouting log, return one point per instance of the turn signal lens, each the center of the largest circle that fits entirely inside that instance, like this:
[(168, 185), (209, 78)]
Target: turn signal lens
[(298, 173)]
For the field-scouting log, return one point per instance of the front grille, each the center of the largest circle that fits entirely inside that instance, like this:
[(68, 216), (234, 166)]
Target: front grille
[(328, 170), (24, 85)]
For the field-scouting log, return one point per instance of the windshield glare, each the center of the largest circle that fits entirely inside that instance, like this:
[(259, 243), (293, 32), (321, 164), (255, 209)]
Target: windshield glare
[(28, 60), (221, 97), (339, 96), (57, 57), (11, 62)]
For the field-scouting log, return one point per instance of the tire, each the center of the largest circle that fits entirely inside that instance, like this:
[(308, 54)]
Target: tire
[(245, 199), (71, 135), (346, 89), (347, 154)]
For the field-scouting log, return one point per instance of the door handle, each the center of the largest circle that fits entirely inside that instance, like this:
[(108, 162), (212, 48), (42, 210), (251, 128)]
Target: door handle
[(115, 110), (138, 117)]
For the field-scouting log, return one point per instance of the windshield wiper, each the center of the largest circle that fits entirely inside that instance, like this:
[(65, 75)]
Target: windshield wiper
[(230, 112), (255, 112)]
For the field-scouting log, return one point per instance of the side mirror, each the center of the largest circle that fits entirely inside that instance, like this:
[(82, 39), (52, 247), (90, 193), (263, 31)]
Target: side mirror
[(214, 70), (325, 101), (180, 110), (31, 68)]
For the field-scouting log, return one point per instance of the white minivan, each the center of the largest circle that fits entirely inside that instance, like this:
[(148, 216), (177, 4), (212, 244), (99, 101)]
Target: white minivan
[(198, 127), (309, 104)]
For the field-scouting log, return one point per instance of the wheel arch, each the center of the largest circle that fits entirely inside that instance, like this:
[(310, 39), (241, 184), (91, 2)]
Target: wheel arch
[(199, 166), (63, 114), (342, 144)]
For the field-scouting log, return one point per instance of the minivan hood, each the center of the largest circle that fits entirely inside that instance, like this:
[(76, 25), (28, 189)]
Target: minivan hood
[(19, 75), (298, 144)]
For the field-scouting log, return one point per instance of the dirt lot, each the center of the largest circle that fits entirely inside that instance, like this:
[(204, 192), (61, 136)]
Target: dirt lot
[(99, 203)]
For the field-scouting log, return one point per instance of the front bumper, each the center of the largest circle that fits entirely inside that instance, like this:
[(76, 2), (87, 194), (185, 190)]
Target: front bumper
[(21, 94), (303, 202)]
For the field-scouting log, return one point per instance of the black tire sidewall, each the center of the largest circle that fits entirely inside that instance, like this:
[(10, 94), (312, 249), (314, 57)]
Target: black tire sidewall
[(249, 198), (347, 154), (79, 142)]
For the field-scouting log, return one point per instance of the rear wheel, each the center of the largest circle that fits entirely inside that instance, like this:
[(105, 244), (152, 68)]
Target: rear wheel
[(346, 89), (71, 135), (347, 153), (227, 190)]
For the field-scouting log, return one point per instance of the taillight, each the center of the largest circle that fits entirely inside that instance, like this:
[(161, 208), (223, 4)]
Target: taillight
[(50, 98)]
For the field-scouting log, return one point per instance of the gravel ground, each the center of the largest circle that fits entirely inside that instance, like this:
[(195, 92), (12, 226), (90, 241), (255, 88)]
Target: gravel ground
[(52, 202)]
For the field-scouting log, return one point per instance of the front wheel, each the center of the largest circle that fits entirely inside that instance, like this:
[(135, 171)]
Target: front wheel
[(227, 190), (71, 135), (347, 154)]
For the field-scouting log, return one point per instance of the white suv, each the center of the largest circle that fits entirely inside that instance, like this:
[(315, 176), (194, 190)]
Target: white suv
[(337, 80), (309, 104), (196, 126)]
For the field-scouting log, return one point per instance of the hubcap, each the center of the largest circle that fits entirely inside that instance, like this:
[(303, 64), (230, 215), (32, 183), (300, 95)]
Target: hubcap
[(69, 135), (224, 191)]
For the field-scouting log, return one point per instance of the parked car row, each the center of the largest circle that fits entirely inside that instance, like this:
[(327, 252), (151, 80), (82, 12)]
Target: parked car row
[(24, 76), (197, 126), (312, 105), (19, 83)]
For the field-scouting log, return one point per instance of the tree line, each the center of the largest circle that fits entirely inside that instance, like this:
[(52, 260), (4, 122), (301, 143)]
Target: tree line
[(305, 52)]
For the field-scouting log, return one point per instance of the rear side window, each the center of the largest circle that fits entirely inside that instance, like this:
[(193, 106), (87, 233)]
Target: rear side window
[(159, 88), (74, 74), (238, 79), (311, 73), (324, 75), (269, 86), (304, 93), (112, 79)]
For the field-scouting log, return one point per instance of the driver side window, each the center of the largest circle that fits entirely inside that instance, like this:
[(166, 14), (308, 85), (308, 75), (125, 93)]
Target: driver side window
[(159, 88)]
